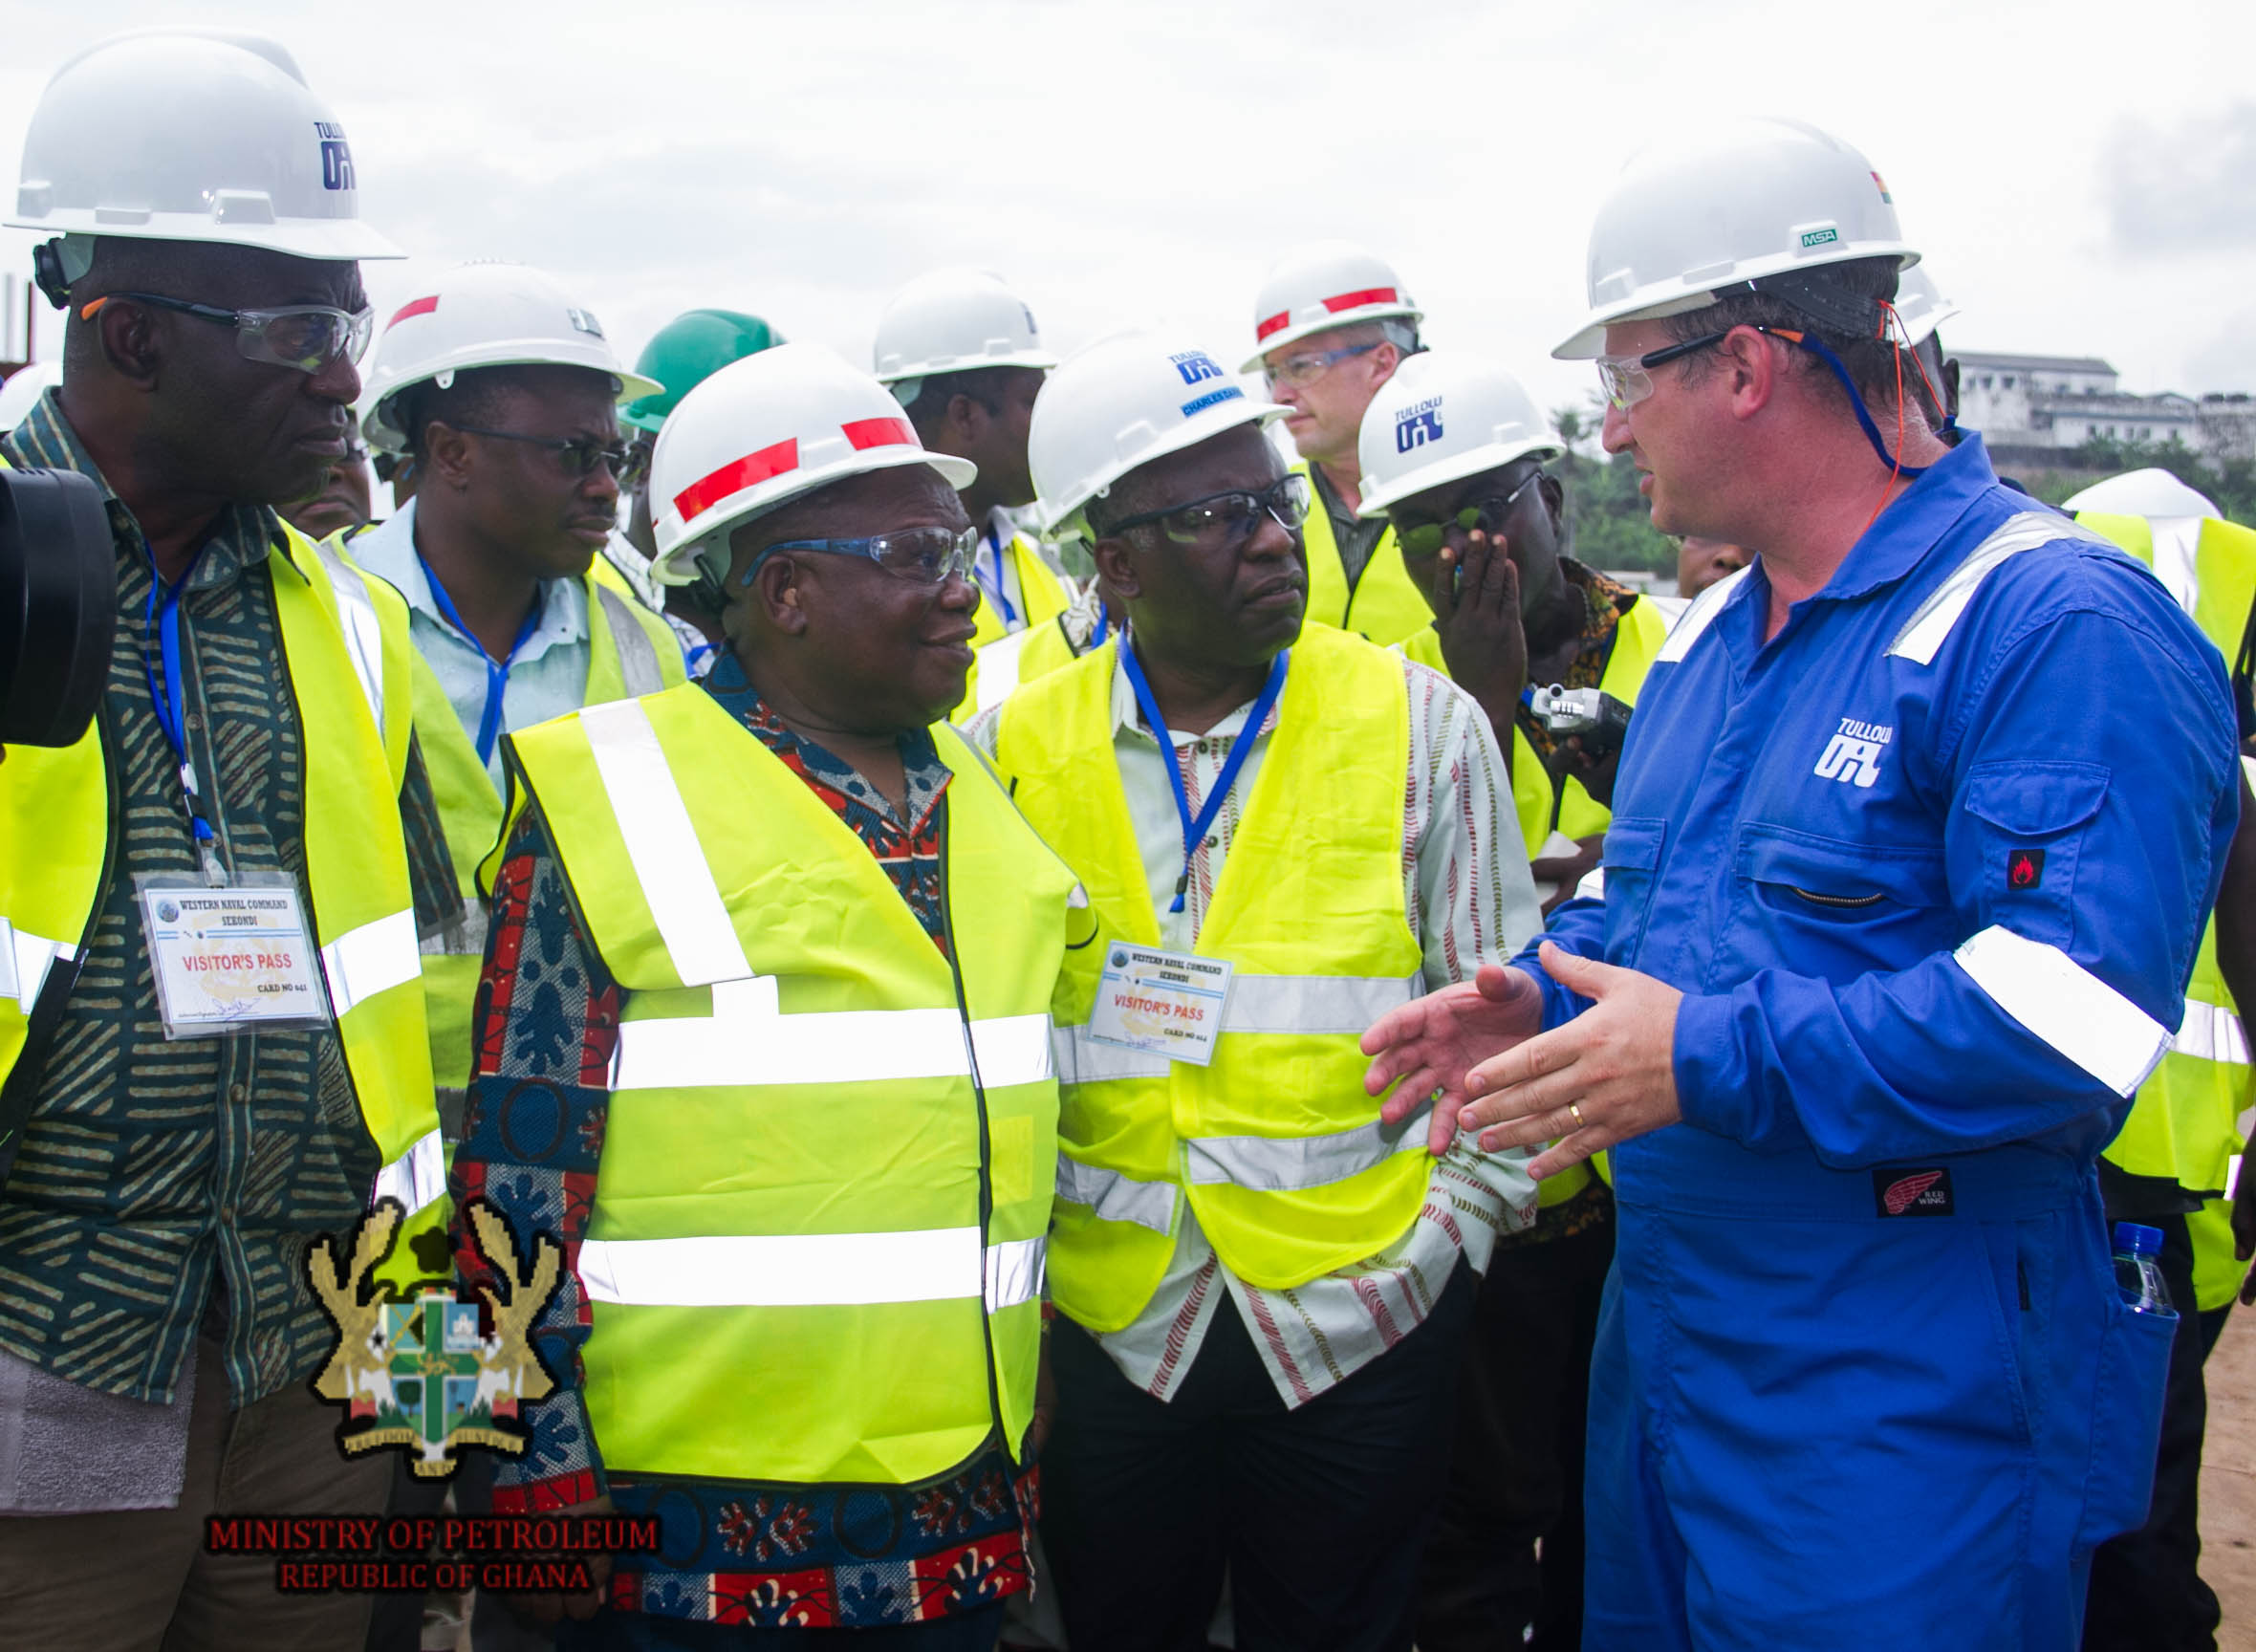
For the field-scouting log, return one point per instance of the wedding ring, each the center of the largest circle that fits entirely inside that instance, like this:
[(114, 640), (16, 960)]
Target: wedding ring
[(1574, 1112)]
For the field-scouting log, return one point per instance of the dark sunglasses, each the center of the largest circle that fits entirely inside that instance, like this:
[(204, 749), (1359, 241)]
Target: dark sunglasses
[(1489, 515), (579, 457), (1229, 517)]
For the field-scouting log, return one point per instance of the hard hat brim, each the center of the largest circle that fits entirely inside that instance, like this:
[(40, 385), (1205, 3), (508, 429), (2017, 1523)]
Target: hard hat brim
[(1200, 428), (1661, 300), (385, 433), (329, 241), (1376, 501), (1042, 361), (677, 564)]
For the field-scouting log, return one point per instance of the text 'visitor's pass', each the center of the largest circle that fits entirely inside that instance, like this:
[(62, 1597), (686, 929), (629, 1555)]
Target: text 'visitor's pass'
[(1161, 1003), (230, 959)]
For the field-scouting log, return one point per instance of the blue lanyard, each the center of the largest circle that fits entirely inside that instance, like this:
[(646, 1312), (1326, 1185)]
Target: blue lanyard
[(161, 645), (1240, 749), (1104, 626), (497, 673), (1009, 613)]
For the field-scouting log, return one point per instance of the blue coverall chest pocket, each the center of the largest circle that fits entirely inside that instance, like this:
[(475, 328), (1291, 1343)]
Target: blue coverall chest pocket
[(1631, 860), (2028, 823), (1858, 906)]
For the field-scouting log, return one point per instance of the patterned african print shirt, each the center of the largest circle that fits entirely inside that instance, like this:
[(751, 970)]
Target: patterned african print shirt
[(158, 1180), (827, 1555)]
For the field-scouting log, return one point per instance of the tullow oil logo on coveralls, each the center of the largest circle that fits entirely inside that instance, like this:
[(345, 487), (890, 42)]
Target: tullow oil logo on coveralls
[(421, 1374), (1853, 756)]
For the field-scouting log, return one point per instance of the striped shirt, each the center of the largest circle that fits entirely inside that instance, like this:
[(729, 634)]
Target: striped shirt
[(159, 1177), (1469, 899)]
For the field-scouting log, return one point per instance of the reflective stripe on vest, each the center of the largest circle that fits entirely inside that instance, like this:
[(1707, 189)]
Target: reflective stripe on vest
[(2065, 1005), (2211, 1033), (668, 861), (363, 632), (372, 959), (998, 666), (813, 1270), (417, 1177), (26, 958), (748, 1041)]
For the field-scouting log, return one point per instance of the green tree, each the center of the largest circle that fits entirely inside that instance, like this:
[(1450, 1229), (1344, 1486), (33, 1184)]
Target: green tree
[(1609, 523)]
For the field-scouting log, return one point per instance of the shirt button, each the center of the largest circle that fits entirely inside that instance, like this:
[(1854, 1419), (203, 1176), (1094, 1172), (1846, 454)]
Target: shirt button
[(1213, 843), (235, 1093), (194, 720)]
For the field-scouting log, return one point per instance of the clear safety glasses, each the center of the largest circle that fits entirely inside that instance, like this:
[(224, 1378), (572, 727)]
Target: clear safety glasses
[(1489, 515), (579, 456), (1309, 365), (306, 337), (922, 555), (1628, 380), (1229, 517)]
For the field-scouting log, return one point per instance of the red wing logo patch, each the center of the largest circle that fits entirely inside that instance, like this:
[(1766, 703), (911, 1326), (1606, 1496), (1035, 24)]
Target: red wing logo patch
[(1912, 1193)]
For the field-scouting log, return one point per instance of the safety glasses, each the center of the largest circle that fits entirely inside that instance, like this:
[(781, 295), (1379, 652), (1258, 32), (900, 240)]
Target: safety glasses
[(1489, 515), (306, 337), (921, 556), (1229, 517), (578, 457), (1628, 380), (1309, 365)]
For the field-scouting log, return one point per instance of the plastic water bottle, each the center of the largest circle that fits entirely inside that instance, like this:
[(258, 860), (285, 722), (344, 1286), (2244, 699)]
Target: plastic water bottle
[(2138, 1270)]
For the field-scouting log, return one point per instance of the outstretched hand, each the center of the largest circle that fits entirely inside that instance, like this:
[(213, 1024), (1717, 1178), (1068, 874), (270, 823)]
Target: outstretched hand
[(1432, 1043), (1606, 1075)]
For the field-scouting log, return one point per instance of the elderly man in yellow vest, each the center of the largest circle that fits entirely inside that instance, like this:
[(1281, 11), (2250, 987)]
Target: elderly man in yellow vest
[(764, 1039), (1282, 828)]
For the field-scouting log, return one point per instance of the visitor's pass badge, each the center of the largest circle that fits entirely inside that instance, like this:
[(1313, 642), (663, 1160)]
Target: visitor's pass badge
[(233, 958), (1161, 1003)]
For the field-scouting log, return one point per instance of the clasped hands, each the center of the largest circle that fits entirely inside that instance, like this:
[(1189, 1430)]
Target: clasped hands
[(1606, 1075)]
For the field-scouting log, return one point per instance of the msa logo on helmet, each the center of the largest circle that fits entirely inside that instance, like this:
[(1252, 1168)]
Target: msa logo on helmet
[(1195, 365), (1820, 237), (584, 323), (337, 156), (1416, 427), (1853, 756)]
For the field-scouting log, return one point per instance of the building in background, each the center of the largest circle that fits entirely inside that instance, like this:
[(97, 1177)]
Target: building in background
[(2065, 402)]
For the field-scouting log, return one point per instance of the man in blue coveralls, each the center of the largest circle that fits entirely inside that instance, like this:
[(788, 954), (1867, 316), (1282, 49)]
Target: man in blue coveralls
[(1913, 839)]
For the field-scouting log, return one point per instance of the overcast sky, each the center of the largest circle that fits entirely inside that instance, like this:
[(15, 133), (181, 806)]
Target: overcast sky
[(2081, 177)]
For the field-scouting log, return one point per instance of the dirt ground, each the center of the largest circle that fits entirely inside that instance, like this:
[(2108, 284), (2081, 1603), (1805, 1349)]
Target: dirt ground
[(2228, 1481)]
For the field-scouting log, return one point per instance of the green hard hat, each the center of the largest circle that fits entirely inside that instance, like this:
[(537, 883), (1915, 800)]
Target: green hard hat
[(687, 351)]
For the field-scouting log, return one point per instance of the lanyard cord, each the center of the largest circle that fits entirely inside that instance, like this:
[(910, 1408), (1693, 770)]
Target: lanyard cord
[(497, 672), (1240, 749), (1009, 613), (162, 653)]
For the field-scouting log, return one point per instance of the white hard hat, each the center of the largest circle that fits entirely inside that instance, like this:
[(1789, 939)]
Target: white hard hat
[(1441, 419), (1743, 199), (188, 134), (955, 320), (1921, 306), (24, 388), (2150, 493), (490, 315), (1122, 402), (761, 432), (1324, 284)]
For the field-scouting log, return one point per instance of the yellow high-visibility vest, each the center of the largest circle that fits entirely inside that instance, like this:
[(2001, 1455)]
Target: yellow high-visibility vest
[(1276, 1146), (346, 655), (1384, 605), (2184, 1122), (816, 1253), (1044, 596)]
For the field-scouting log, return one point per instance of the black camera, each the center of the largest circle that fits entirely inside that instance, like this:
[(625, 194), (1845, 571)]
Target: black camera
[(58, 605)]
